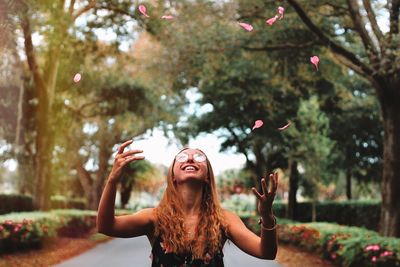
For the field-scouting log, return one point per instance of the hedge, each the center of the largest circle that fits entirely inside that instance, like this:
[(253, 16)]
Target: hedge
[(27, 230), (342, 245), (17, 203), (352, 213)]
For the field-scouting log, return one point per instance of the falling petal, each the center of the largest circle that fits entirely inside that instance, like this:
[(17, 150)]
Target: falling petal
[(246, 26), (77, 77), (271, 20), (167, 17), (315, 61), (143, 10), (285, 127), (281, 11), (257, 124)]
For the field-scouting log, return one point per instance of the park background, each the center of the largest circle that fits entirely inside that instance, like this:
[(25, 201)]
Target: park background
[(203, 80)]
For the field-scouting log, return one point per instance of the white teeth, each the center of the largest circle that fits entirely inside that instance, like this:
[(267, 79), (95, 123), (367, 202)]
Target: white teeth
[(190, 168)]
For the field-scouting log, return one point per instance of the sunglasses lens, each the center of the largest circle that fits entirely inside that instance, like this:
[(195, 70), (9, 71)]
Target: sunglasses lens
[(199, 157), (182, 157)]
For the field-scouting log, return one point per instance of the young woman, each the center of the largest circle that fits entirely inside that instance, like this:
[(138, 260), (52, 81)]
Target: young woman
[(188, 227)]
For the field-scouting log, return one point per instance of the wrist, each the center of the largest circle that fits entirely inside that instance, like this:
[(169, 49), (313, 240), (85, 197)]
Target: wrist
[(268, 221), (268, 217)]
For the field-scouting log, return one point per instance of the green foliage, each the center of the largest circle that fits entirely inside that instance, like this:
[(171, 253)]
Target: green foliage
[(62, 202), (344, 246), (242, 204), (352, 213), (26, 230), (310, 144), (14, 203), (229, 178)]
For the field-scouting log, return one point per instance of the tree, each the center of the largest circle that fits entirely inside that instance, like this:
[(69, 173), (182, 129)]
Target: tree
[(56, 23), (242, 76), (311, 146), (360, 151), (374, 55)]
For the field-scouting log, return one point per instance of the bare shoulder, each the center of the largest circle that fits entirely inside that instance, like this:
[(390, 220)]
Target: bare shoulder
[(230, 216), (148, 215), (232, 220)]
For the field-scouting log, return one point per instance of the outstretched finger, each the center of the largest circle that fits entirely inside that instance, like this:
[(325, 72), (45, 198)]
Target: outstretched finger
[(122, 147), (131, 152), (264, 186), (256, 192), (132, 158), (274, 180)]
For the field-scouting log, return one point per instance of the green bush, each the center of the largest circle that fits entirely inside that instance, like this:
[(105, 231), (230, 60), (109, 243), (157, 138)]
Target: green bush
[(62, 202), (27, 230), (14, 203), (242, 204), (344, 246), (351, 213)]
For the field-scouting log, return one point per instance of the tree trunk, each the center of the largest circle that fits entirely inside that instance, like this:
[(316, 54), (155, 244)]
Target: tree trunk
[(390, 210), (293, 186), (43, 151), (126, 193), (314, 211), (348, 183)]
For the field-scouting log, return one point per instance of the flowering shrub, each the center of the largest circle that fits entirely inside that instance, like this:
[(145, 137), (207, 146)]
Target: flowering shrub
[(20, 231), (343, 245), (301, 236)]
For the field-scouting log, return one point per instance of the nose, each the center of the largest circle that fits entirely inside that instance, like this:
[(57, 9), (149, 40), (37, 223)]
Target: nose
[(190, 158)]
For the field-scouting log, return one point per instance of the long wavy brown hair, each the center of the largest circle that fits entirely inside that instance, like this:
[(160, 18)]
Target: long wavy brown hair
[(170, 219)]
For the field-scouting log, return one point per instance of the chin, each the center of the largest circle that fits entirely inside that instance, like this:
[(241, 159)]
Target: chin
[(192, 178)]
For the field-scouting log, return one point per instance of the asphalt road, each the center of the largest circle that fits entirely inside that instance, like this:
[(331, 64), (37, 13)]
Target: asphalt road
[(121, 252)]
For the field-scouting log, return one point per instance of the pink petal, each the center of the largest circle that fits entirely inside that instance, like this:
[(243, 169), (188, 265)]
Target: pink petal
[(285, 127), (77, 77), (281, 11), (373, 259), (143, 10), (246, 26), (271, 20), (257, 124), (315, 61), (167, 17)]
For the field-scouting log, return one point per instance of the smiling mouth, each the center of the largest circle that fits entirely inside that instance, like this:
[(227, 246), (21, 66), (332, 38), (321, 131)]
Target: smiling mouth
[(190, 168)]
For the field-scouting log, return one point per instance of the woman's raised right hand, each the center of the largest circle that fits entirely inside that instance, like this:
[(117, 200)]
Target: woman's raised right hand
[(123, 158)]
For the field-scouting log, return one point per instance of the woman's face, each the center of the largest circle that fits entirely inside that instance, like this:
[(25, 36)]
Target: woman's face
[(190, 164)]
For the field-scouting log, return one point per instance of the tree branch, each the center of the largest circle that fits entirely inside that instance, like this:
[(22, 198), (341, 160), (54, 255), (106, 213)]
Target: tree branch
[(280, 46), (354, 9), (394, 16), (372, 19), (108, 6), (71, 7), (92, 4), (334, 47), (79, 111), (29, 50), (83, 175)]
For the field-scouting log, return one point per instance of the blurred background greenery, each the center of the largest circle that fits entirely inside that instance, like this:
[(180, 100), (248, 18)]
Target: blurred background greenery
[(343, 143)]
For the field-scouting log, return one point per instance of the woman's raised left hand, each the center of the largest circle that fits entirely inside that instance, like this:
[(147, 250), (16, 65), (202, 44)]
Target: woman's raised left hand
[(267, 198)]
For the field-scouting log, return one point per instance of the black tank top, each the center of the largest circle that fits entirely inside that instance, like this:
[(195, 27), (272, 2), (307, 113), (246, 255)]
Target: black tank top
[(162, 258)]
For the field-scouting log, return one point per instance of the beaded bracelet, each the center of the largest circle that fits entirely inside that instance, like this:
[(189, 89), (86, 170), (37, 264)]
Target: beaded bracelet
[(260, 222)]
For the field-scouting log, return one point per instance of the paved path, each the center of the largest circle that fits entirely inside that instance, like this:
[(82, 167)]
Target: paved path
[(135, 252)]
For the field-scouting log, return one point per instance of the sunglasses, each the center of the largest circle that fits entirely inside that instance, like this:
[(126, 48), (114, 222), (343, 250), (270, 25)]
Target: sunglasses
[(183, 157)]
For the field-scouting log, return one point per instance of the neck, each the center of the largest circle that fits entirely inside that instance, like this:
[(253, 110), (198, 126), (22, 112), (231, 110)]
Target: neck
[(191, 194)]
